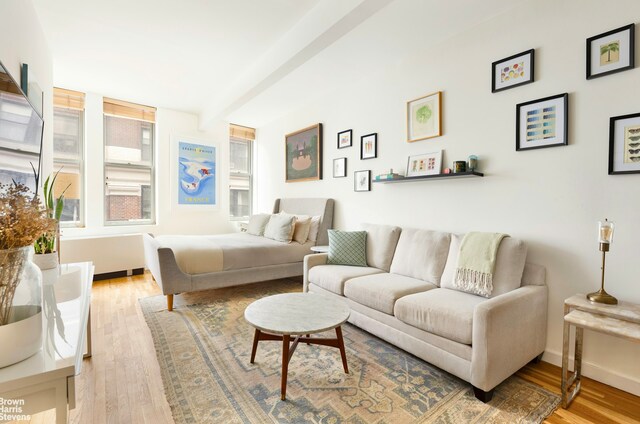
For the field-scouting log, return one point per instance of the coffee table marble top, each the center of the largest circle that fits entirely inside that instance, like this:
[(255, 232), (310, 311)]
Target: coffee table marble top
[(296, 313)]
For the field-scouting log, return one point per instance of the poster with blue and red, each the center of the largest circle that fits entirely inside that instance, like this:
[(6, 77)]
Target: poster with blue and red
[(197, 174)]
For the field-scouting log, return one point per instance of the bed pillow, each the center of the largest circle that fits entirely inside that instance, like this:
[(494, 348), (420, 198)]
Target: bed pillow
[(347, 248), (257, 224), (302, 227), (313, 229), (280, 227)]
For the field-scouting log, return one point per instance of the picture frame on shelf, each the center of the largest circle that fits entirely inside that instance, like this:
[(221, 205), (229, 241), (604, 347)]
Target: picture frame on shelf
[(339, 167), (543, 123), (345, 139), (424, 117), (362, 180), (513, 71), (624, 144), (424, 164), (369, 146), (303, 154), (610, 52)]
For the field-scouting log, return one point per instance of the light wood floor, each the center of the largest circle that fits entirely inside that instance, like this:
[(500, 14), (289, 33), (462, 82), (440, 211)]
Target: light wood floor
[(121, 383)]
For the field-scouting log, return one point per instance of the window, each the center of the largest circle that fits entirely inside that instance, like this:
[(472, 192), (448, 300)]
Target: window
[(240, 169), (68, 148), (128, 162)]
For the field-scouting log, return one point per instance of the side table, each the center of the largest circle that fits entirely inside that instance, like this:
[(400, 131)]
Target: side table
[(320, 249), (622, 320)]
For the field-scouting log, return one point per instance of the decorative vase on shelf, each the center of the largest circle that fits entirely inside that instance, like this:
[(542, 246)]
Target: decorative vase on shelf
[(20, 305), (46, 261)]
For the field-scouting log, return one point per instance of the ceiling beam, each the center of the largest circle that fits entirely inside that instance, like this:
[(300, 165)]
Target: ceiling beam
[(326, 23)]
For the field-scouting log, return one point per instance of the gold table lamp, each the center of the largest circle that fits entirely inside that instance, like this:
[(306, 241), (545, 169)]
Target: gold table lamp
[(605, 234)]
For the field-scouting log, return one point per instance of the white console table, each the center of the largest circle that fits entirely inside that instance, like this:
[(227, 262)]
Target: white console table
[(47, 379), (622, 320)]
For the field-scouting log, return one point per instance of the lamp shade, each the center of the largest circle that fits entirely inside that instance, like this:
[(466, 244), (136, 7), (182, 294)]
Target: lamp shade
[(605, 231)]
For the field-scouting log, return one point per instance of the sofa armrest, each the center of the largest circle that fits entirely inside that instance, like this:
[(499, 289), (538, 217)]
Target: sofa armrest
[(309, 262), (508, 331)]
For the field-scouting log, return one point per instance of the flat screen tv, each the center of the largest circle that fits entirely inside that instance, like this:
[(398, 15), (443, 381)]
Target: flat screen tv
[(21, 129)]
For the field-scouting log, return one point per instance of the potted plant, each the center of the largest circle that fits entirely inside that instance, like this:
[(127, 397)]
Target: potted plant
[(22, 221), (46, 247)]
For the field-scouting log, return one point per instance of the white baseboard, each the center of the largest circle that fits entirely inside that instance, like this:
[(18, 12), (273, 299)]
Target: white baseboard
[(598, 373)]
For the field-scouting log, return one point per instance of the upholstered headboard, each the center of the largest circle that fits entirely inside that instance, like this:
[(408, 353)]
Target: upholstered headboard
[(311, 207)]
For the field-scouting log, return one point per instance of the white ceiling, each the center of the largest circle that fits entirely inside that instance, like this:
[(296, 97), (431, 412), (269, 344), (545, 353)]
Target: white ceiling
[(245, 61), (171, 53)]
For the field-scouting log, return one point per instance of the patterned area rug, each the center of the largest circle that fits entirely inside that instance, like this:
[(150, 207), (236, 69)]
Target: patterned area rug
[(204, 351)]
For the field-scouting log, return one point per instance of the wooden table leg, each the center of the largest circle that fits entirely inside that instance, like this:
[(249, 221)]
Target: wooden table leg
[(256, 338), (285, 365), (341, 347)]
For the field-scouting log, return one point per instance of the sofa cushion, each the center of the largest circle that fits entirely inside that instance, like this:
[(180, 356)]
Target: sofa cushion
[(447, 313), (333, 277), (381, 244), (421, 254), (507, 275), (380, 291), (347, 248)]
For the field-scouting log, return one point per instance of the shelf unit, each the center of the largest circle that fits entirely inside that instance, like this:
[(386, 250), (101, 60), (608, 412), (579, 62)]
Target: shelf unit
[(470, 174)]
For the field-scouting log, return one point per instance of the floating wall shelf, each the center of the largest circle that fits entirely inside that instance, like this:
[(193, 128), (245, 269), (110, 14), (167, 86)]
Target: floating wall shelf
[(471, 174)]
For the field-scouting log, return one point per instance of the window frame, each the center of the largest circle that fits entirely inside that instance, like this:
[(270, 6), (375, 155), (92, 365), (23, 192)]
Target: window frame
[(80, 223), (127, 165), (240, 174)]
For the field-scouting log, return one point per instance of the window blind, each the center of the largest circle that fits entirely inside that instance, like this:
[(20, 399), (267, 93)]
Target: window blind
[(243, 133), (68, 98), (129, 110)]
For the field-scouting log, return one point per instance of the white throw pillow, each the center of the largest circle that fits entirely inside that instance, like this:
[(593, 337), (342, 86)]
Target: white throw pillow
[(313, 230), (257, 224), (280, 227)]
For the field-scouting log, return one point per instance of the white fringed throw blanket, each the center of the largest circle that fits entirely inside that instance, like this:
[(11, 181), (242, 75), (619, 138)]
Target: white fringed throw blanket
[(476, 262)]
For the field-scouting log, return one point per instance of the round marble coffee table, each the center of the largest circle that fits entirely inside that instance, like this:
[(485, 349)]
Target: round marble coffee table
[(282, 316)]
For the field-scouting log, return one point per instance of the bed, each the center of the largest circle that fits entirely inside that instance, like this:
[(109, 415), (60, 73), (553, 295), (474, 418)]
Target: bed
[(188, 263)]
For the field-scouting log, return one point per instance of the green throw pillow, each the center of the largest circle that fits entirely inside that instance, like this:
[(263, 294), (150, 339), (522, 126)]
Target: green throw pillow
[(347, 248)]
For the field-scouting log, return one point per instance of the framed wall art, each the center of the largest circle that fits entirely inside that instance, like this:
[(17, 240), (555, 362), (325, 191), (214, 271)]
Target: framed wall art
[(362, 180), (513, 71), (369, 146), (542, 123), (424, 164), (424, 117), (303, 154), (624, 144), (195, 173), (344, 139), (339, 167), (611, 52)]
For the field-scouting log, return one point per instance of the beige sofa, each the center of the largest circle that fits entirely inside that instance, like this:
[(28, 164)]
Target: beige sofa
[(406, 296)]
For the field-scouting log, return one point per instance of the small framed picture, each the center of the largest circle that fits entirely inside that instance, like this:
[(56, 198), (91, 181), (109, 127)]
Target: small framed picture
[(339, 167), (344, 139), (362, 180), (424, 119), (425, 164), (624, 144), (611, 52), (513, 71), (369, 146), (543, 123)]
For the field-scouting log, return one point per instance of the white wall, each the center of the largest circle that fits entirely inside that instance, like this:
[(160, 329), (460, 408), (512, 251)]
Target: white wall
[(552, 198), (23, 41), (169, 218)]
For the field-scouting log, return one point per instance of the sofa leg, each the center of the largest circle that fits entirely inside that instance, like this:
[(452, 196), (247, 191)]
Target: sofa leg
[(483, 396), (537, 359), (170, 302)]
